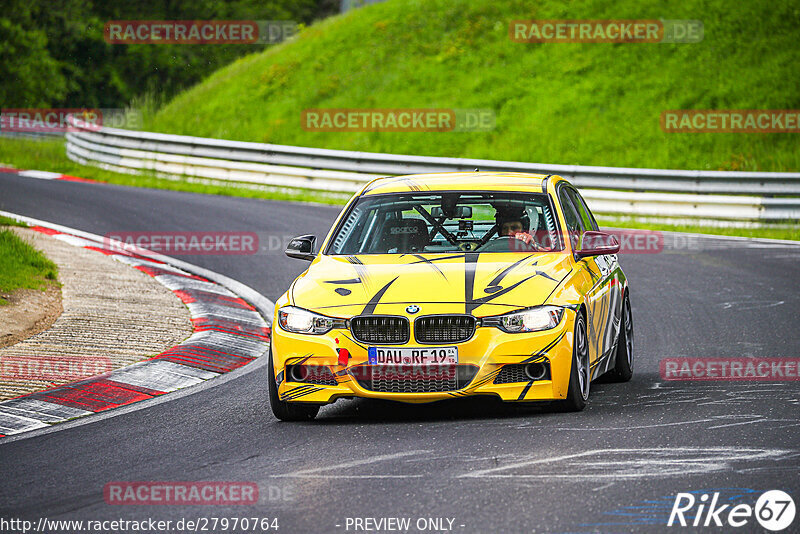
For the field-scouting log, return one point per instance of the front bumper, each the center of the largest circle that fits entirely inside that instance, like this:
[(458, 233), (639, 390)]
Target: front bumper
[(488, 351)]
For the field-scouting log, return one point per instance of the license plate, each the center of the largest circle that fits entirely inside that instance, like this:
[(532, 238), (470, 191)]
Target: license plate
[(413, 356)]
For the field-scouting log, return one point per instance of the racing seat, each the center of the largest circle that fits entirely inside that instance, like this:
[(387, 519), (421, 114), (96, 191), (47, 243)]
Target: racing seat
[(403, 236)]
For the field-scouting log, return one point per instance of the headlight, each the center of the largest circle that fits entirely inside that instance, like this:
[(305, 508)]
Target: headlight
[(302, 321), (530, 320)]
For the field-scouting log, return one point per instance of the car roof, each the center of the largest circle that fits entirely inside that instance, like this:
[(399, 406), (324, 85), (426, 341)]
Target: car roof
[(458, 181)]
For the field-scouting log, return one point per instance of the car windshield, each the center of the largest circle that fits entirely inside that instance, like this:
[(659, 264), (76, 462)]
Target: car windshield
[(447, 222)]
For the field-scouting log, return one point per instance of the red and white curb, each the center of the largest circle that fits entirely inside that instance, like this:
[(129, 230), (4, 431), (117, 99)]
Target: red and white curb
[(44, 175), (228, 333)]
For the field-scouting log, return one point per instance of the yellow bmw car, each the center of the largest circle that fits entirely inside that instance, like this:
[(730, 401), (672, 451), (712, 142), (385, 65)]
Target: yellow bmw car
[(435, 286)]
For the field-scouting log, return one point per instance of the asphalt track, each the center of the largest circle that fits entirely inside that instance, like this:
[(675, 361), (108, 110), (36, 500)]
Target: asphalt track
[(615, 467)]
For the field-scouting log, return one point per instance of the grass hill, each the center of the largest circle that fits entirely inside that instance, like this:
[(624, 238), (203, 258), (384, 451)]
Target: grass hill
[(571, 103)]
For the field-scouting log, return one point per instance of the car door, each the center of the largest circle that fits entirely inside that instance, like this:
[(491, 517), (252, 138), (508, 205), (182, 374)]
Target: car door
[(600, 299), (609, 266)]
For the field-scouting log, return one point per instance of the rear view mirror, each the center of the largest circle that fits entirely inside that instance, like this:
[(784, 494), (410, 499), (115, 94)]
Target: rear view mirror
[(461, 212), (596, 244), (302, 247)]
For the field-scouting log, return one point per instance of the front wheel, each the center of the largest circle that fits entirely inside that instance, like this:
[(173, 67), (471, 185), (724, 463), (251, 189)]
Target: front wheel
[(579, 376), (287, 411)]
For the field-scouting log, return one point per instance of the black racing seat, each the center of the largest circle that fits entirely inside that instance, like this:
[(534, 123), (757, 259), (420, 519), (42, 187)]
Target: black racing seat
[(404, 235)]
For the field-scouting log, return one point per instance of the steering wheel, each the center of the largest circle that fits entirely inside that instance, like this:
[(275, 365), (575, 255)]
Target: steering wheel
[(508, 244)]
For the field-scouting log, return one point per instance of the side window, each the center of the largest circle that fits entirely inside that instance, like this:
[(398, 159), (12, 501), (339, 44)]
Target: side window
[(583, 211), (574, 224)]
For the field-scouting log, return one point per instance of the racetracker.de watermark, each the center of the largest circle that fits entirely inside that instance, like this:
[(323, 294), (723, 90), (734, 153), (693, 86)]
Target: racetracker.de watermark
[(734, 368), (731, 120), (200, 243), (606, 31), (53, 368), (630, 241), (54, 120), (198, 31), (398, 120), (379, 371), (639, 241), (181, 493)]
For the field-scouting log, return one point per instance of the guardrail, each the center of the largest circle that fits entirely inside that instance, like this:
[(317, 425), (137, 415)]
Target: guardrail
[(709, 195), (39, 136)]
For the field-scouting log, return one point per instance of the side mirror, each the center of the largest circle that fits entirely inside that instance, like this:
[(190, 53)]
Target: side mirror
[(596, 244), (302, 248)]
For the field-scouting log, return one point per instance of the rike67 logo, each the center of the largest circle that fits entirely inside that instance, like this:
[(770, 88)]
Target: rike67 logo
[(774, 510)]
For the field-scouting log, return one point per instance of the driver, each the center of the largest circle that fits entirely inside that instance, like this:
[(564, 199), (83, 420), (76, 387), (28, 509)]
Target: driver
[(514, 223)]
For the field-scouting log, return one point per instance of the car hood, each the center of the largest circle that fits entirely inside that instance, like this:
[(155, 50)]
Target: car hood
[(479, 284)]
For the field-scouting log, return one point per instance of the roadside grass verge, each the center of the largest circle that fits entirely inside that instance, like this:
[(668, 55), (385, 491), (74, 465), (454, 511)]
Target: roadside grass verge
[(6, 221), (21, 265)]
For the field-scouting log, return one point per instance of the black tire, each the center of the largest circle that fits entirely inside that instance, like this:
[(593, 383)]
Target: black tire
[(623, 365), (287, 411), (580, 373)]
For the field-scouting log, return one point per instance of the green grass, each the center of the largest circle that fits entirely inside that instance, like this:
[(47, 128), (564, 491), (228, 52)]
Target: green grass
[(5, 221), (574, 103), (21, 265)]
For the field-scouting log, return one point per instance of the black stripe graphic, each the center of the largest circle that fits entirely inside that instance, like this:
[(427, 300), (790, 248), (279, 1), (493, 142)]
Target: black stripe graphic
[(542, 273), (303, 393), (525, 390), (595, 276), (544, 351), (483, 300), (428, 262), (297, 360), (431, 260), (497, 279), (470, 264), (361, 270), (486, 379), (511, 307), (293, 391), (412, 184), (369, 309)]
